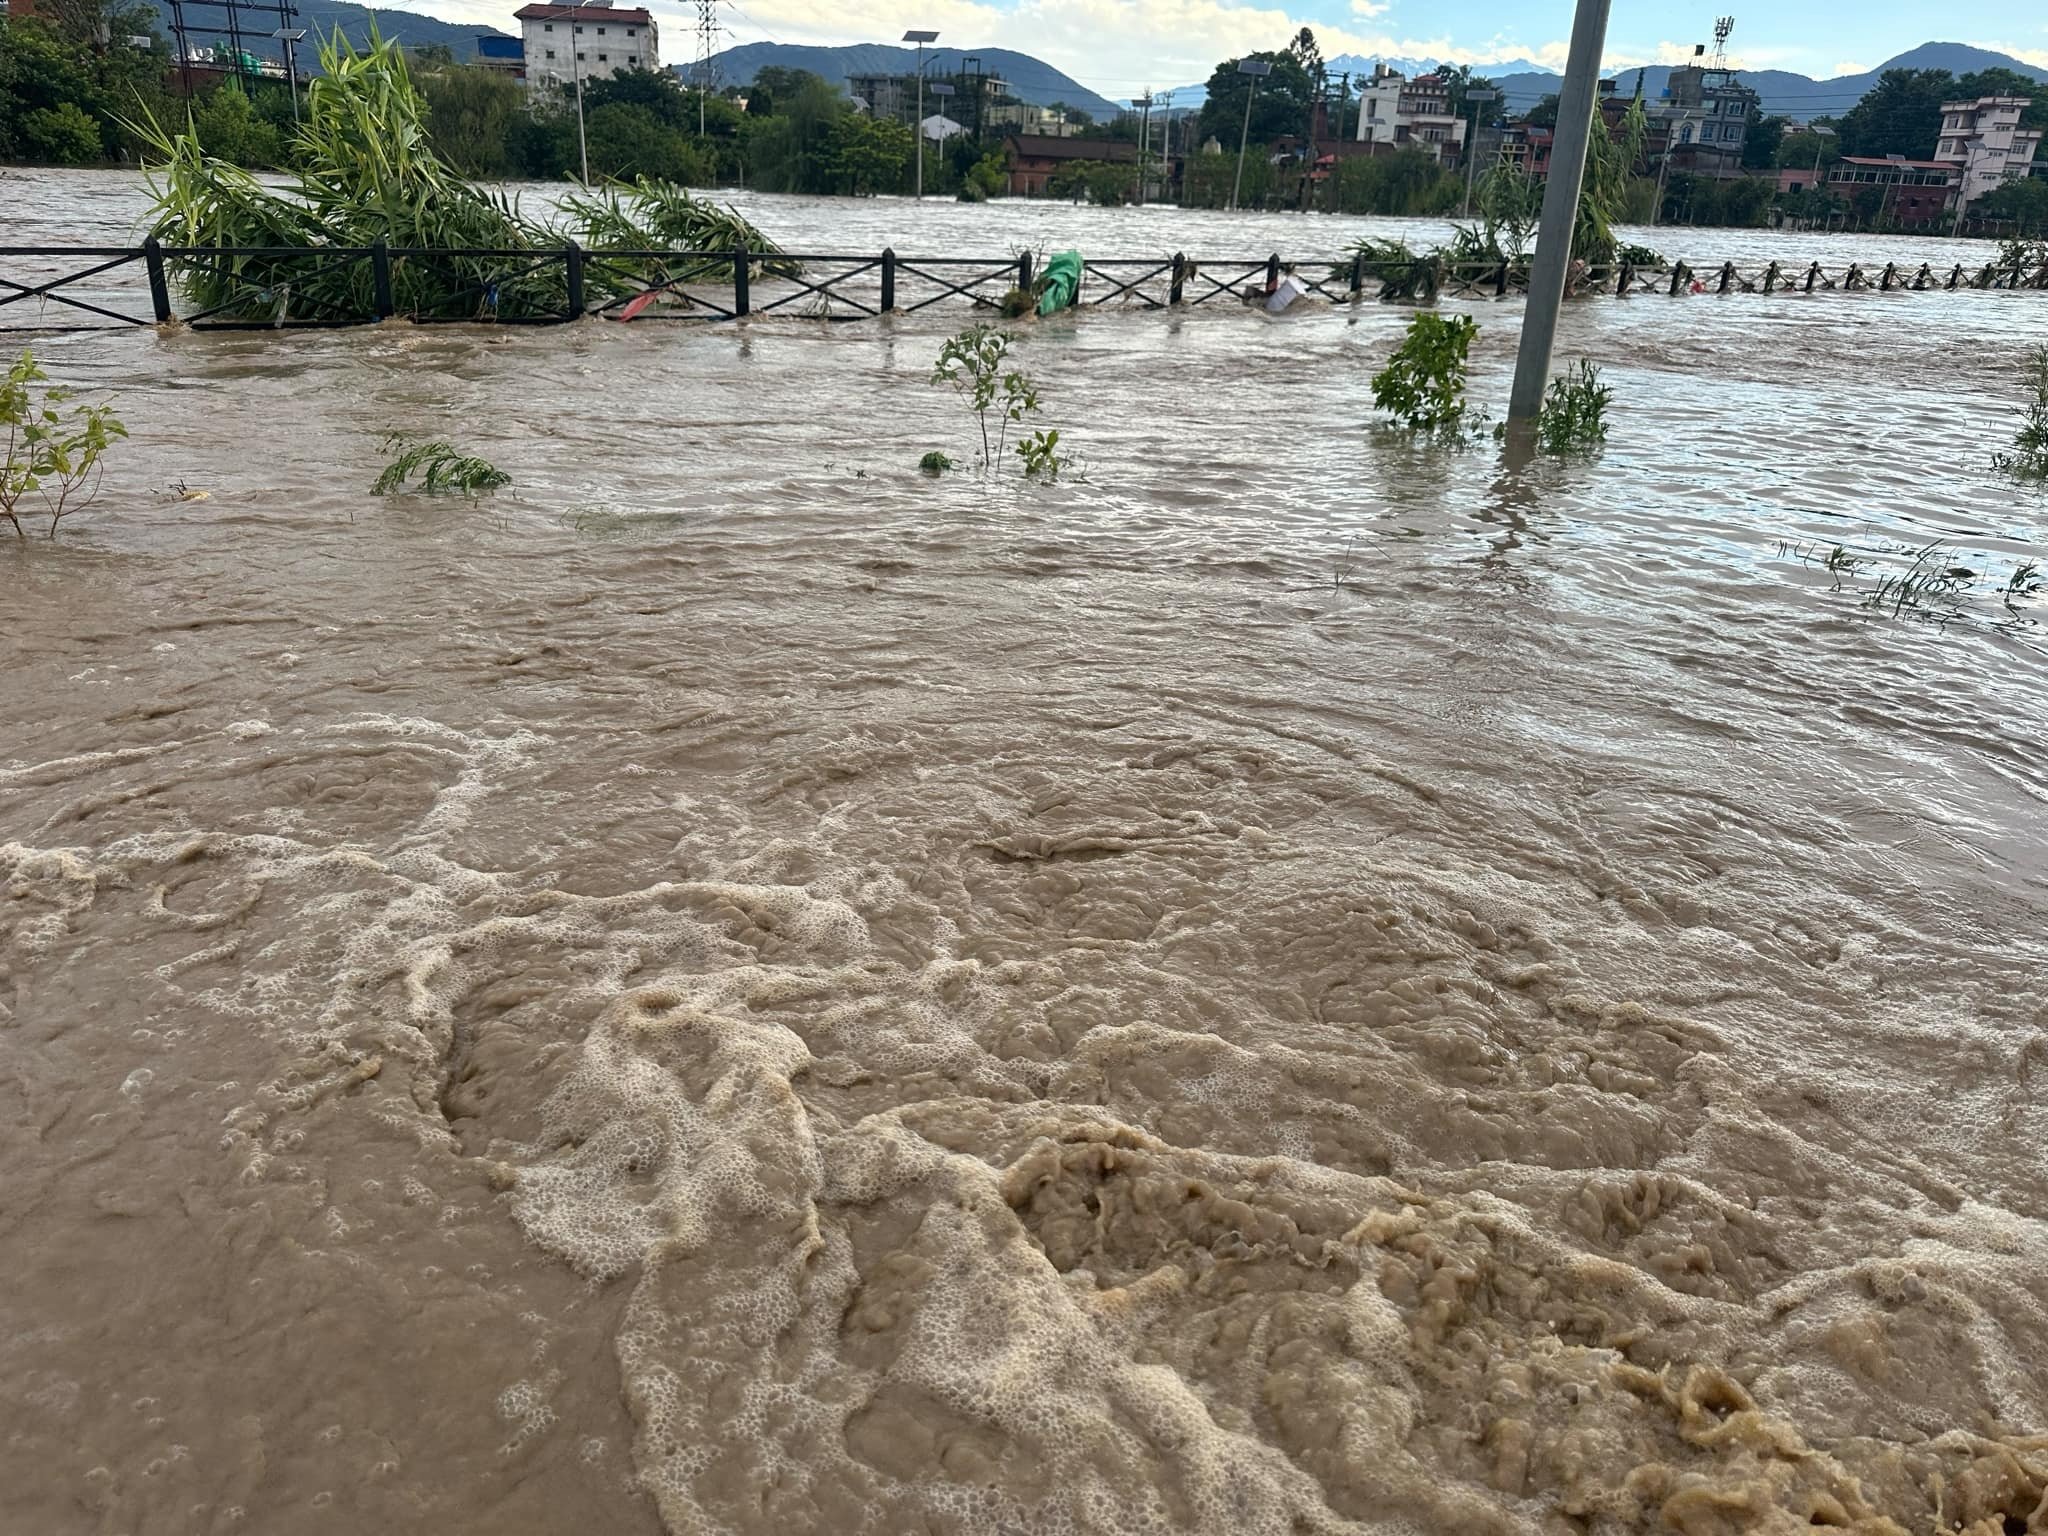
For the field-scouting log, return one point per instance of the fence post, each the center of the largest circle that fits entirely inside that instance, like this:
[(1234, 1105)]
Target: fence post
[(1357, 273), (1621, 283), (1677, 277), (380, 278), (1955, 277), (1024, 270), (1920, 279), (1500, 282), (1812, 276), (1180, 273), (1727, 275), (1853, 278), (888, 279), (1984, 277), (1884, 284), (1272, 272), (159, 290), (1771, 278), (741, 303), (572, 271)]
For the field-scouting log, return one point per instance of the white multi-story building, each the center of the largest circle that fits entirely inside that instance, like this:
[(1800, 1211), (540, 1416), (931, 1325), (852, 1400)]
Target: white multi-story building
[(1393, 109), (590, 41), (1983, 139)]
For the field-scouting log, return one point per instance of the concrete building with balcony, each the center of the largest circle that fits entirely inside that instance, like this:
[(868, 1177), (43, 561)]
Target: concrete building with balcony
[(592, 41), (1398, 112), (1985, 144)]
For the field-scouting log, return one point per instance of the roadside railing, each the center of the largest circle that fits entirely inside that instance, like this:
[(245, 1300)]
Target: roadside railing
[(46, 288)]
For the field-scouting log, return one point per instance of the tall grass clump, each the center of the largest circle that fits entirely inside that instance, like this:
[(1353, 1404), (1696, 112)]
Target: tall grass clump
[(54, 448), (2029, 457), (1574, 412), (1423, 384), (366, 170)]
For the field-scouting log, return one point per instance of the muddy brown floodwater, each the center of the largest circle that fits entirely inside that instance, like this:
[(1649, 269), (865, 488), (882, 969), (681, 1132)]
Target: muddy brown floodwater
[(1291, 982)]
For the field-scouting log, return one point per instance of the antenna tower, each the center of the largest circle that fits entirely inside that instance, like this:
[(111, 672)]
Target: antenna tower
[(1722, 27), (707, 44)]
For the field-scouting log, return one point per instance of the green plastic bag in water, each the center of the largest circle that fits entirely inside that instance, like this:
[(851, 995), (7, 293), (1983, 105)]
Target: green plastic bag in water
[(1062, 282)]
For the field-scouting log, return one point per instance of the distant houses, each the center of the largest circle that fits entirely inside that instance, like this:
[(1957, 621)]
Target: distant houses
[(561, 44)]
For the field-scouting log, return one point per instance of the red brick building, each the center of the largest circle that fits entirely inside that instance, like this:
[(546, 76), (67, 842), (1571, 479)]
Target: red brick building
[(1035, 158)]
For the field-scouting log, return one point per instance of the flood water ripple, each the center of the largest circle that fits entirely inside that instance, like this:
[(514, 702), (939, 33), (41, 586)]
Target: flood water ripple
[(1294, 980)]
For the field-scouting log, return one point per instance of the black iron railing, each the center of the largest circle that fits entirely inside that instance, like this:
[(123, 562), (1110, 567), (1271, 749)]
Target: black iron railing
[(45, 288)]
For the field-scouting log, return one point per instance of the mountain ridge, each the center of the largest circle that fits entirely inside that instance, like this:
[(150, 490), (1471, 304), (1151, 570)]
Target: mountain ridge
[(1030, 79)]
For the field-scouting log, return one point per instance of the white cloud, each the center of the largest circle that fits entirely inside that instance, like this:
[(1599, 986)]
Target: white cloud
[(2038, 57), (1851, 67), (1370, 8)]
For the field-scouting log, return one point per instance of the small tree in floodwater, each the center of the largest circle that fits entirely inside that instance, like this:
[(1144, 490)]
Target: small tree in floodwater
[(2029, 457), (1423, 384), (972, 362), (52, 453)]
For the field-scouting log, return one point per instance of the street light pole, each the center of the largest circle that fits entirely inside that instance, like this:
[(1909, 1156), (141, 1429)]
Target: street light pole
[(1257, 69), (1575, 118), (290, 36), (576, 68), (920, 38), (1477, 97)]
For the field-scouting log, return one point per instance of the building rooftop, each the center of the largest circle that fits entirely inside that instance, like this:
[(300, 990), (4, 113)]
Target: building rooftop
[(1045, 146), (634, 17), (1902, 164)]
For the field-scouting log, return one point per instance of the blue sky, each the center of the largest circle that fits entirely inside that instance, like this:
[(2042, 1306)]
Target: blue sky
[(1120, 47)]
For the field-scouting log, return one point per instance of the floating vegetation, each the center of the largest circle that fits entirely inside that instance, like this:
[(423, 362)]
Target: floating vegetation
[(2029, 457), (935, 463), (1938, 584), (53, 454), (367, 172), (436, 468)]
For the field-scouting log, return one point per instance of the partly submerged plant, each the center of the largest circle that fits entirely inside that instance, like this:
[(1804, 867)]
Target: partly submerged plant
[(2029, 457), (972, 362), (650, 215), (51, 452), (935, 463), (1423, 384), (1574, 413), (437, 467), (367, 171), (1041, 455)]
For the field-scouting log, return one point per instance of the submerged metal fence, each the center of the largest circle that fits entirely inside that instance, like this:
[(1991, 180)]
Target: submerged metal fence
[(46, 288)]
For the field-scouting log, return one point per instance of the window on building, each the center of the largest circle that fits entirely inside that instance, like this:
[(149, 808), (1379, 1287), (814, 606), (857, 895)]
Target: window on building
[(579, 58), (600, 31), (547, 26), (604, 58), (551, 53), (631, 33)]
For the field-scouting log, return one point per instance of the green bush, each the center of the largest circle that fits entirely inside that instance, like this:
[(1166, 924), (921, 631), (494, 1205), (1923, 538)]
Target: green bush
[(438, 468), (972, 362), (1423, 384), (62, 135), (2029, 457)]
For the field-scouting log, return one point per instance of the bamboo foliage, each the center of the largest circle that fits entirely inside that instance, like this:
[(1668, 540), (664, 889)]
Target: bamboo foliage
[(367, 171)]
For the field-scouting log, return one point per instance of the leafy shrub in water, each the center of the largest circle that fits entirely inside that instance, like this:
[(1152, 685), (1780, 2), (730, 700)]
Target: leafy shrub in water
[(438, 467), (2029, 457), (972, 362), (1574, 414), (935, 463), (1041, 455), (53, 454), (1423, 384)]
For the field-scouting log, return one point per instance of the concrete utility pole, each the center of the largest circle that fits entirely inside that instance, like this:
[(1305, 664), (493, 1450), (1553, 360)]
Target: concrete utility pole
[(1575, 118), (1258, 69), (1144, 105), (920, 38)]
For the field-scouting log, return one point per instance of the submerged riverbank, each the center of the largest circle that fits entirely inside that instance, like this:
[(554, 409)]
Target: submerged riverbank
[(1291, 980)]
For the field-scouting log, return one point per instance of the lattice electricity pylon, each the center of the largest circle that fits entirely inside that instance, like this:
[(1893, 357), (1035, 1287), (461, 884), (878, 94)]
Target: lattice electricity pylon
[(242, 22), (707, 42)]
